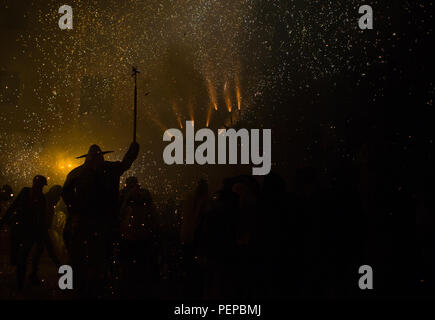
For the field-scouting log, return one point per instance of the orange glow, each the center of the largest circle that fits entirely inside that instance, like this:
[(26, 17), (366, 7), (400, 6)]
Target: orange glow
[(160, 124), (239, 98), (190, 107), (64, 164), (212, 94), (177, 114), (227, 97), (157, 121), (207, 122)]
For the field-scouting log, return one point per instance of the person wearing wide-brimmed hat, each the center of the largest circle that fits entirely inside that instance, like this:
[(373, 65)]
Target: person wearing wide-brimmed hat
[(91, 194)]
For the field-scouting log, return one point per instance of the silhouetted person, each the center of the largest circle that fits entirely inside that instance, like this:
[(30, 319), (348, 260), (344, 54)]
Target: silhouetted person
[(91, 193), (27, 218), (225, 239), (348, 230), (195, 206), (312, 204), (6, 196), (169, 241), (6, 193), (278, 241), (52, 197), (248, 191), (138, 250), (426, 235)]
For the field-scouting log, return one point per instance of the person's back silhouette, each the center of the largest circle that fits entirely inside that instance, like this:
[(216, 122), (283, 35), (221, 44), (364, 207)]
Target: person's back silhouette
[(91, 193), (26, 215)]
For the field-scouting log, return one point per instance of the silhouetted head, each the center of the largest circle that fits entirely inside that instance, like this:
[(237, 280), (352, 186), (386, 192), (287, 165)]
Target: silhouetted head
[(39, 182), (131, 182), (273, 184), (202, 187), (6, 193), (248, 181), (235, 188), (94, 156), (53, 195)]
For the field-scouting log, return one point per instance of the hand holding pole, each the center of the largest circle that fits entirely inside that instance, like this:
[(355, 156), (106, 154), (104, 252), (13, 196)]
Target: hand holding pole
[(135, 72)]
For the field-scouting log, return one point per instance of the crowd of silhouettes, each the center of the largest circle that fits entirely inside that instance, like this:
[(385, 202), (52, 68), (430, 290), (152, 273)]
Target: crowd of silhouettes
[(250, 239)]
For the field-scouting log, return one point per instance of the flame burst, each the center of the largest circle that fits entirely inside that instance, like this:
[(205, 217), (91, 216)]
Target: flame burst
[(207, 122), (212, 94), (190, 108), (227, 97), (239, 98), (177, 114), (157, 121)]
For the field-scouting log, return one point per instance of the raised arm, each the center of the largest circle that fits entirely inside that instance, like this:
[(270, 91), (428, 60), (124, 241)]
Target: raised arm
[(130, 156)]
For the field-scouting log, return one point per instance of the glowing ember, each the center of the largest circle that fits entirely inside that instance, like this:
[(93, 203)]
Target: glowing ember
[(207, 122), (212, 94), (227, 97), (190, 108), (239, 102), (177, 114)]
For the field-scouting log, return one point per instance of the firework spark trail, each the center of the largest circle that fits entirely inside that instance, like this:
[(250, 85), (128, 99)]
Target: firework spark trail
[(157, 121), (238, 96), (212, 94), (227, 97), (177, 114), (190, 108)]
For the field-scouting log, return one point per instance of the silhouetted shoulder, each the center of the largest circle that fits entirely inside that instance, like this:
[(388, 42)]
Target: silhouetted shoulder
[(74, 172), (113, 166), (24, 191)]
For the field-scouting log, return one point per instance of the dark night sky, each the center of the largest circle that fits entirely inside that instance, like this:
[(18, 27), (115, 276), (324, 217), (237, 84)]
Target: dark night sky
[(330, 91)]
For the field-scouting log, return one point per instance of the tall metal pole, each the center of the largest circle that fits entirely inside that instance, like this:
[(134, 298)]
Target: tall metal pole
[(135, 72)]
